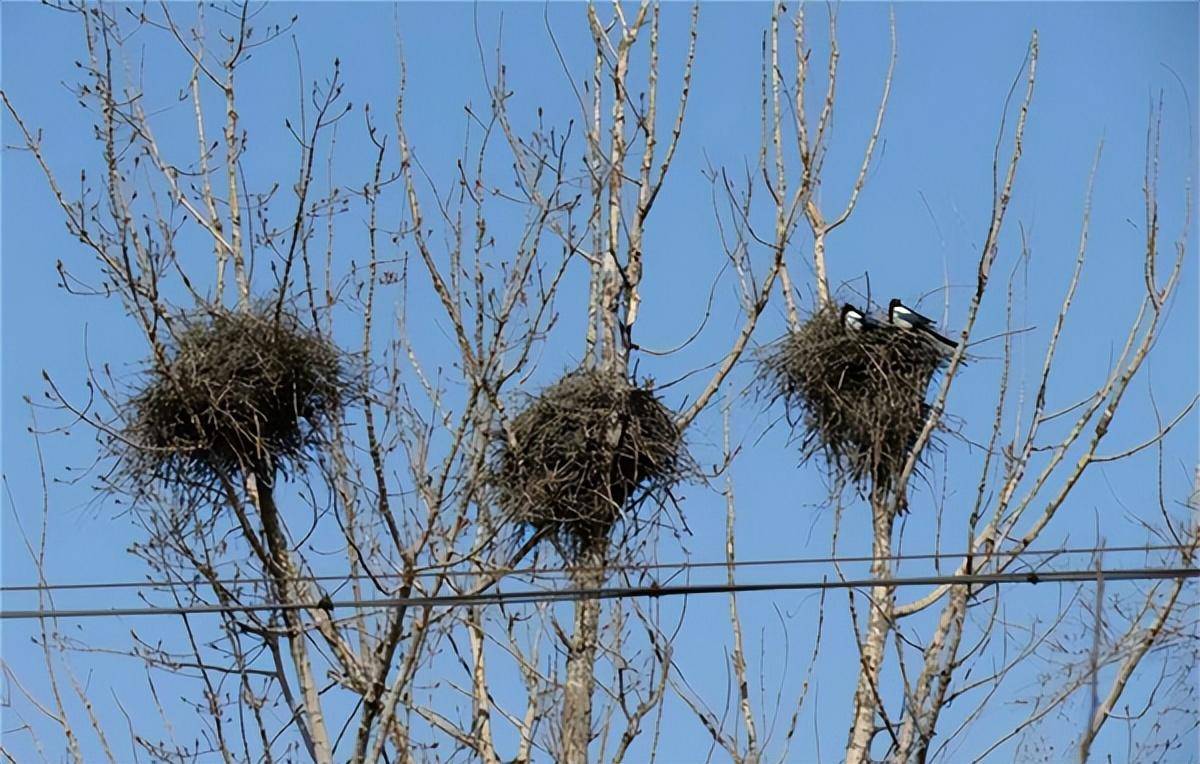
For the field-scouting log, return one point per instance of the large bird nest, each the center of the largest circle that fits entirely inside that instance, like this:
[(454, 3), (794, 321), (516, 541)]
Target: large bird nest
[(588, 449), (858, 397), (239, 391)]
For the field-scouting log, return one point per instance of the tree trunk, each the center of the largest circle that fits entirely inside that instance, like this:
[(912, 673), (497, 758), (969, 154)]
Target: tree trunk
[(312, 725), (879, 618), (928, 697), (581, 660)]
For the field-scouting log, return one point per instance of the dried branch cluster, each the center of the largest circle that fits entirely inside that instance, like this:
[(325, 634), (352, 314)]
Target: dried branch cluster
[(859, 395), (239, 389), (586, 448)]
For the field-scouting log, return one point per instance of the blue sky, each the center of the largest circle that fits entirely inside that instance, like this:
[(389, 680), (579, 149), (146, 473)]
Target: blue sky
[(920, 223)]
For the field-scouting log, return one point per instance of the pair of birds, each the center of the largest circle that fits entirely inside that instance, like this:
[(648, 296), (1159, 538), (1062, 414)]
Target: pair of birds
[(899, 316)]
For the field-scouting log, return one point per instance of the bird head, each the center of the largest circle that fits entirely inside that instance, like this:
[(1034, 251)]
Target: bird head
[(852, 317)]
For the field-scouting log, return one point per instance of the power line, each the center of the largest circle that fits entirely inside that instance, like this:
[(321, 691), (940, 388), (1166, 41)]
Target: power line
[(434, 571), (570, 595)]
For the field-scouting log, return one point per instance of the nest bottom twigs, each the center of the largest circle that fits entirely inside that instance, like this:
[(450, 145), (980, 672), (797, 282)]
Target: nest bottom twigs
[(859, 395), (587, 450)]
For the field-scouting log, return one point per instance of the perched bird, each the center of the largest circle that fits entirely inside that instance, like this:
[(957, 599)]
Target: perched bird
[(904, 317), (326, 603), (855, 320)]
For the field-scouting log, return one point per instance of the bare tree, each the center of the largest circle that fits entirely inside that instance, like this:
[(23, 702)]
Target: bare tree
[(1011, 509), (626, 162), (246, 542)]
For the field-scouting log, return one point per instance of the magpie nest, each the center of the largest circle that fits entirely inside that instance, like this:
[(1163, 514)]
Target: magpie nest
[(244, 390), (859, 396), (589, 447)]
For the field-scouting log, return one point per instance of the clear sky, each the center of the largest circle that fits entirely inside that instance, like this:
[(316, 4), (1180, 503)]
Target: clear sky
[(919, 225)]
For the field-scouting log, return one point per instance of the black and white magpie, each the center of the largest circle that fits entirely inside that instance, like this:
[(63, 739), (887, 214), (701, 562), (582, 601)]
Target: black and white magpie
[(904, 317), (855, 320)]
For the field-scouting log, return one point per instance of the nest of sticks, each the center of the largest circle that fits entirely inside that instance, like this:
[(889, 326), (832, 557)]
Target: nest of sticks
[(858, 397), (240, 391), (587, 449)]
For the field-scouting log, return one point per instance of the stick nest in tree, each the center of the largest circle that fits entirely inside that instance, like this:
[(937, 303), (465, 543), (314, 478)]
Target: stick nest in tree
[(239, 390), (587, 448), (858, 395)]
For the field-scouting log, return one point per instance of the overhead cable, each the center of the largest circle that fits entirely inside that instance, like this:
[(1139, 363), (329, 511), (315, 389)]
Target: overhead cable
[(435, 571), (626, 592)]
